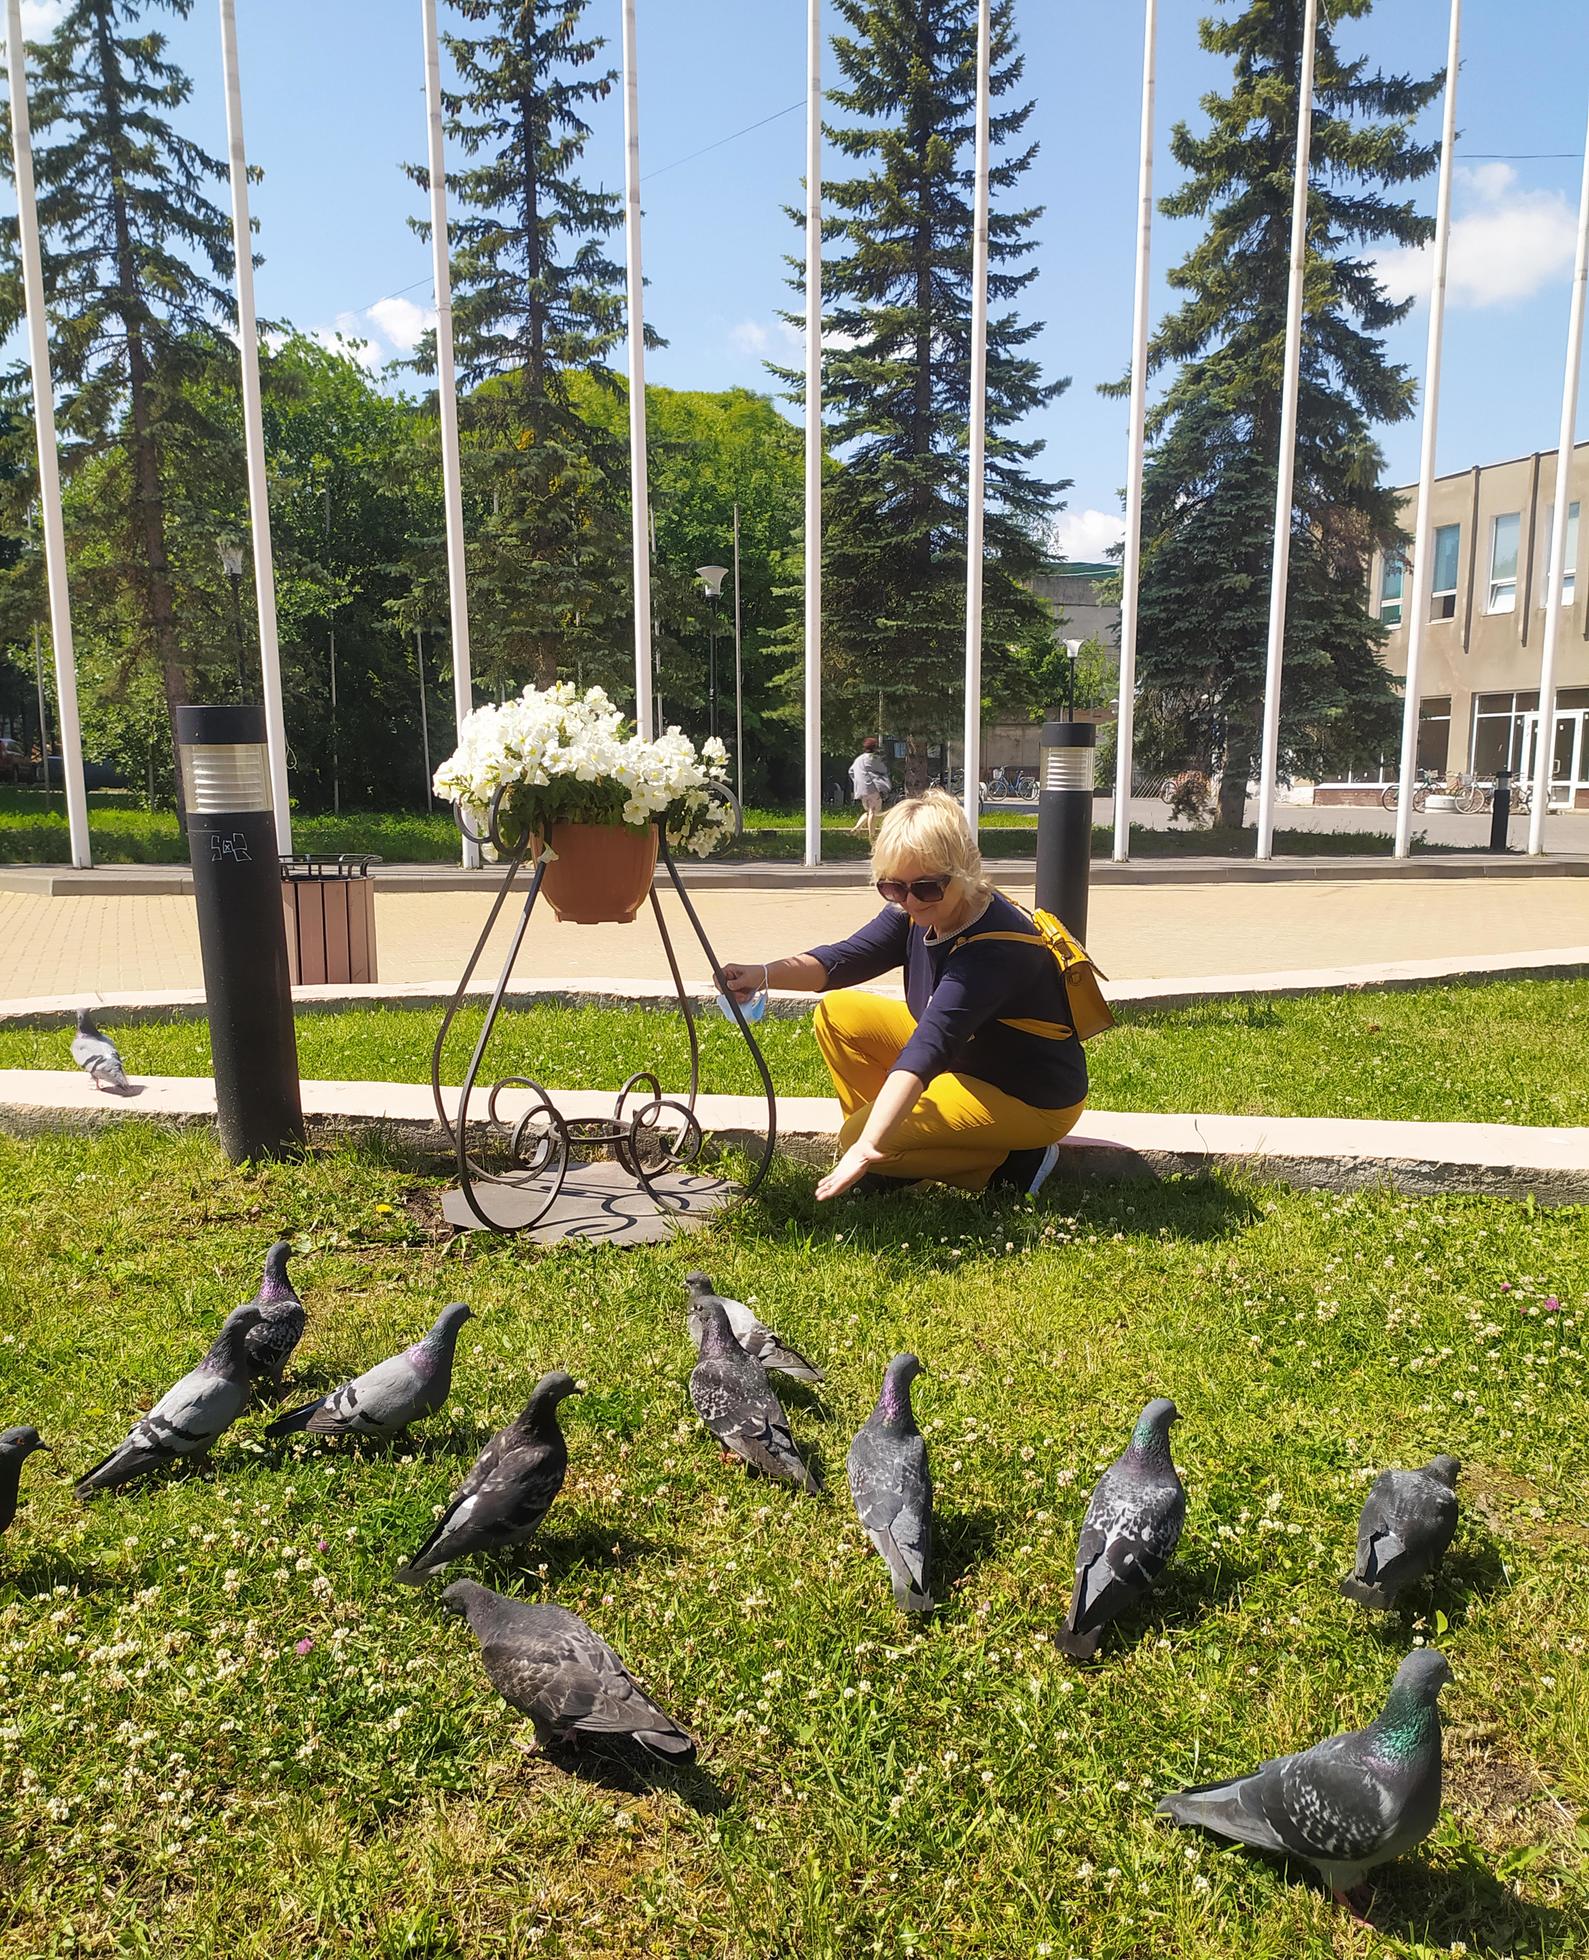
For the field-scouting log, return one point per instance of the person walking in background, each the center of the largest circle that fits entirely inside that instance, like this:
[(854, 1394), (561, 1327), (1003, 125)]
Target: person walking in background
[(871, 782)]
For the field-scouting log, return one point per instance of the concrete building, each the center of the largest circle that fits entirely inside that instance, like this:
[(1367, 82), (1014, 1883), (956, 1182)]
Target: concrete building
[(1479, 685), (1071, 594)]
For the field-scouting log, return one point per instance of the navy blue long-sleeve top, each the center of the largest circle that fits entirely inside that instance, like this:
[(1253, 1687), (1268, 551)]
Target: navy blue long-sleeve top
[(990, 1008)]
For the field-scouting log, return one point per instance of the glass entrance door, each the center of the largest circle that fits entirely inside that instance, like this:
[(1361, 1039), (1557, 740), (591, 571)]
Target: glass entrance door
[(1569, 757)]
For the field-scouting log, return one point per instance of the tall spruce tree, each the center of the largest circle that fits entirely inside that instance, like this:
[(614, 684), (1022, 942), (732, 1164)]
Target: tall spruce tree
[(897, 364), (536, 301), (135, 259), (1209, 489)]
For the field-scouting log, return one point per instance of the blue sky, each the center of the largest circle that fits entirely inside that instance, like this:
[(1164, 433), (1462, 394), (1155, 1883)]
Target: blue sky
[(333, 103)]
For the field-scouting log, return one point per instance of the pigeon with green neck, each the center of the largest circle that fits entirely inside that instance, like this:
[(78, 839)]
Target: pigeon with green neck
[(1132, 1527)]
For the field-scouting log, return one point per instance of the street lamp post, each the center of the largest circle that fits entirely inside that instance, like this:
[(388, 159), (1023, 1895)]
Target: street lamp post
[(711, 577), (231, 551)]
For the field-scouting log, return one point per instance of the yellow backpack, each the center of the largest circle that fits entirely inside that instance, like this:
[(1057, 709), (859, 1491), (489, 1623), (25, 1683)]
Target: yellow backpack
[(1089, 1011)]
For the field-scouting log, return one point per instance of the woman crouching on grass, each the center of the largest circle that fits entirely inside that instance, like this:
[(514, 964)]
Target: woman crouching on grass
[(977, 1073)]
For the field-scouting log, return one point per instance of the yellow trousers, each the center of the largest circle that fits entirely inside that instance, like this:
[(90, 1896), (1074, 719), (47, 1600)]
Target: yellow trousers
[(960, 1130)]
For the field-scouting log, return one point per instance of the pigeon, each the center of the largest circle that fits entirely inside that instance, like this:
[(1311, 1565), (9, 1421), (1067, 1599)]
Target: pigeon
[(758, 1341), (892, 1487), (1132, 1527), (388, 1397), (16, 1445), (510, 1489), (733, 1397), (1407, 1523), (189, 1417), (547, 1662), (1345, 1805), (95, 1054), (270, 1345)]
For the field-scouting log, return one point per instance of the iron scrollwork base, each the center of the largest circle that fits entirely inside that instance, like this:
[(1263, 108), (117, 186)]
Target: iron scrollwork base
[(650, 1133)]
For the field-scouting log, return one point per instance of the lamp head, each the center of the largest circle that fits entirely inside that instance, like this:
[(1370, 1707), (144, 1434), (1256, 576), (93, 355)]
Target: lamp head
[(711, 577)]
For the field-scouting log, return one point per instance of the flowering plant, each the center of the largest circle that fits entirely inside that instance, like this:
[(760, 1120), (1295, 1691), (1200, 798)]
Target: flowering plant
[(559, 756)]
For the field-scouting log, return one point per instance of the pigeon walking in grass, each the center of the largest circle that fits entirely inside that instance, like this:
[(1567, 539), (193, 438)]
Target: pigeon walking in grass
[(190, 1417), (16, 1446), (384, 1400), (509, 1490), (547, 1662), (892, 1487), (1407, 1523), (280, 1330), (1345, 1805), (758, 1341), (1132, 1527), (95, 1054), (733, 1397)]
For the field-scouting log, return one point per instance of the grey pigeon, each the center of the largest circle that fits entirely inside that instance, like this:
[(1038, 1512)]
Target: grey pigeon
[(189, 1418), (1345, 1805), (270, 1345), (1132, 1527), (733, 1397), (1407, 1523), (95, 1054), (385, 1399), (756, 1339), (547, 1662), (16, 1445), (509, 1490), (892, 1487)]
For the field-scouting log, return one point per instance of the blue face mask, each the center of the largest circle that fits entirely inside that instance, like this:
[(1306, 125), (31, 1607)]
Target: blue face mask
[(754, 1009)]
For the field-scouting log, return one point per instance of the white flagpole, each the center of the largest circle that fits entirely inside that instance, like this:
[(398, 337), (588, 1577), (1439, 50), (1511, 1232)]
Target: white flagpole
[(1270, 755), (1131, 563), (977, 446), (1545, 726), (639, 496), (813, 524), (254, 436), (49, 462), (739, 676), (447, 391), (1423, 523)]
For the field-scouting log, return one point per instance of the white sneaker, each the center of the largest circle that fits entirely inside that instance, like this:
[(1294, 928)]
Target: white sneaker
[(1040, 1177)]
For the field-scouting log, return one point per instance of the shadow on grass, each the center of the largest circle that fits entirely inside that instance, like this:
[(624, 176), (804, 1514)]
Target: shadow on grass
[(961, 1541), (589, 1546), (1420, 1903), (630, 1769), (1189, 1589), (1464, 1580), (42, 1570)]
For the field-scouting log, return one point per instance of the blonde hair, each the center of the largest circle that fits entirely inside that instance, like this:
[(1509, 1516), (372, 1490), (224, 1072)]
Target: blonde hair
[(930, 832)]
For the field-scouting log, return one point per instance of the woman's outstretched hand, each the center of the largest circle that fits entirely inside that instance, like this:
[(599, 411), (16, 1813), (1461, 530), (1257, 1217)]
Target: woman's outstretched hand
[(850, 1169), (744, 982)]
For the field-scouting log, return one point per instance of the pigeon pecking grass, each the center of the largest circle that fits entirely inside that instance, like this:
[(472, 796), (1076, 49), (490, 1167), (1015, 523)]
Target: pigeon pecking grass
[(385, 1399), (548, 1663), (96, 1055), (892, 1487), (510, 1489), (1345, 1805), (189, 1418), (733, 1397), (1132, 1527), (269, 1346), (16, 1446), (758, 1340), (1409, 1518)]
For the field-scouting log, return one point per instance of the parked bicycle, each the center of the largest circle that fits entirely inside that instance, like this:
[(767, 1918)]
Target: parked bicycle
[(1428, 781)]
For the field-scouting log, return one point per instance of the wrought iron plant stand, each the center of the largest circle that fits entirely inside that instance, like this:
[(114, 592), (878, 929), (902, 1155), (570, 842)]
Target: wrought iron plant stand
[(654, 1136)]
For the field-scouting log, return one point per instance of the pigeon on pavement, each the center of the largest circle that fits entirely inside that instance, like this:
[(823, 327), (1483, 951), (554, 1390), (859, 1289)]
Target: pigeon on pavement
[(1407, 1523), (509, 1490), (95, 1054), (1132, 1527), (892, 1487), (1345, 1805), (547, 1662), (189, 1418), (733, 1397), (758, 1341), (16, 1445), (271, 1343), (388, 1397)]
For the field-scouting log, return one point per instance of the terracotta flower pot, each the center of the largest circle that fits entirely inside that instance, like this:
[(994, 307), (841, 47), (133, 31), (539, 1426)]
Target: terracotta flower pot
[(601, 873)]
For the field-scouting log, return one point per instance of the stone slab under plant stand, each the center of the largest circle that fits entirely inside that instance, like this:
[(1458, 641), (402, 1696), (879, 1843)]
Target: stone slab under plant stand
[(601, 1202)]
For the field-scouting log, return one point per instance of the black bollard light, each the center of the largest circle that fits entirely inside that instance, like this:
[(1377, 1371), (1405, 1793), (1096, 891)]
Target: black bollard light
[(242, 932), (1064, 820), (1501, 809)]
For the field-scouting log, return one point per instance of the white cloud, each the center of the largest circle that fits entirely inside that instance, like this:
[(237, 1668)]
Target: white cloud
[(347, 337), (750, 337), (401, 322), (1086, 537), (40, 18), (1506, 244)]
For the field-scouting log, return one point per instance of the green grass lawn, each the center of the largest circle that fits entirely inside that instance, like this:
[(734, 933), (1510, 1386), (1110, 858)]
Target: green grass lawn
[(224, 1729), (1488, 1053)]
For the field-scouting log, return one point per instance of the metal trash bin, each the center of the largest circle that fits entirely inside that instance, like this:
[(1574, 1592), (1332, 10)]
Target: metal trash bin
[(330, 908)]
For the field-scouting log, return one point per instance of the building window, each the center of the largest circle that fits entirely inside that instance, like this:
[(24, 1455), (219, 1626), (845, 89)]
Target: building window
[(1503, 563), (1392, 575), (1434, 732), (1447, 552), (1571, 579)]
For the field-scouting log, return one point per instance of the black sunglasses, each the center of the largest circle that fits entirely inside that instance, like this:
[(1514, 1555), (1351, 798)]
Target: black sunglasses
[(926, 891)]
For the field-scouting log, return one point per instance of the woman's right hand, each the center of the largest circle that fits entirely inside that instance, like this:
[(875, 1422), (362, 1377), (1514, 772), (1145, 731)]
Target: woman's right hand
[(744, 982)]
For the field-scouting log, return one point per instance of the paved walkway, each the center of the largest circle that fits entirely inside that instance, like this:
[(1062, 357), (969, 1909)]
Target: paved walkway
[(51, 946)]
